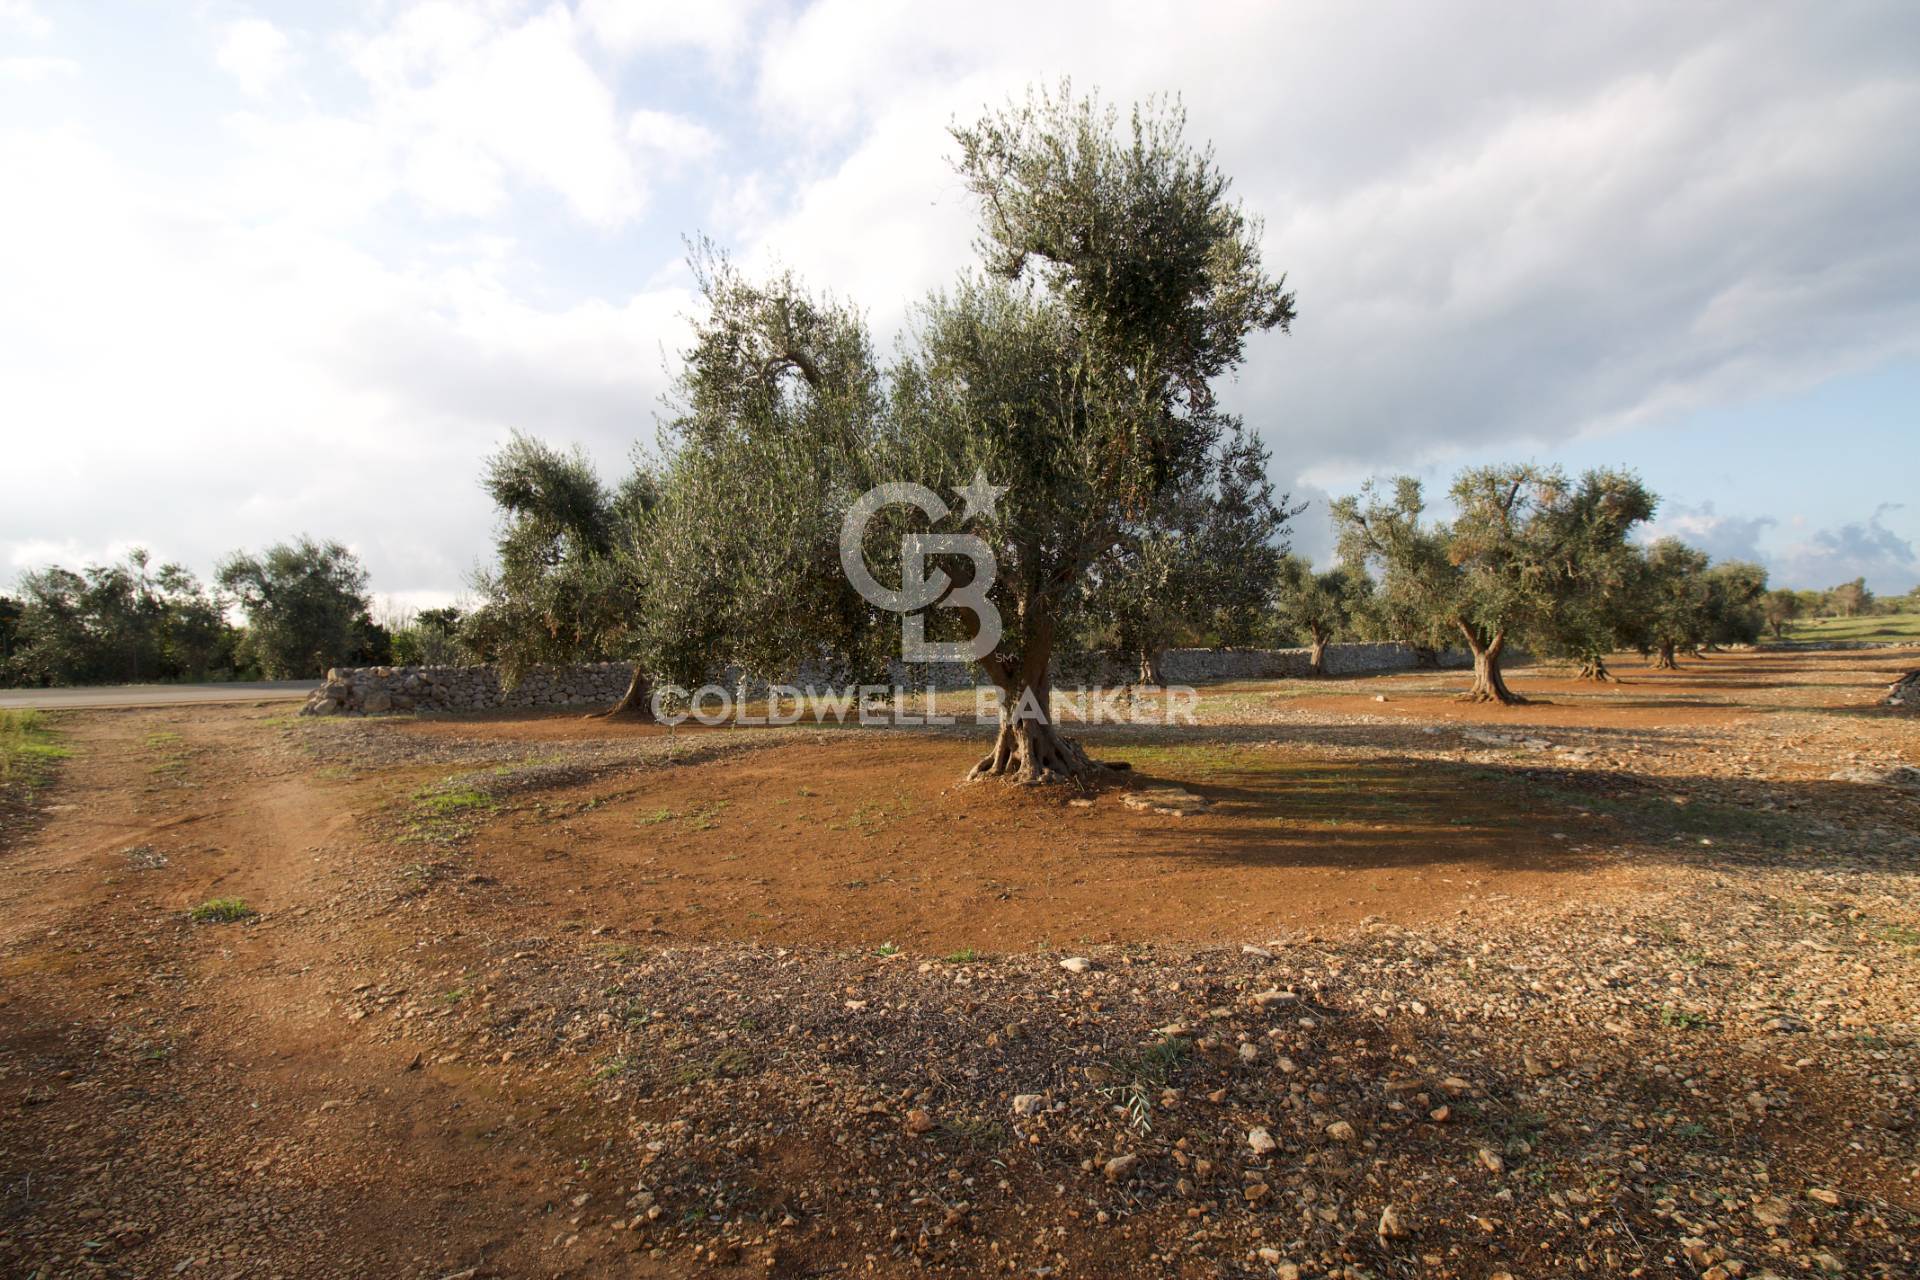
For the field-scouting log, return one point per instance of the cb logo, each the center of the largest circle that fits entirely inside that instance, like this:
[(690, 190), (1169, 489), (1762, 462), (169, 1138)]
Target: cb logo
[(920, 589)]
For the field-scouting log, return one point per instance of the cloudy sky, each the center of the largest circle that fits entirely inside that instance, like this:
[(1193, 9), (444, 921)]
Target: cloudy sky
[(271, 269)]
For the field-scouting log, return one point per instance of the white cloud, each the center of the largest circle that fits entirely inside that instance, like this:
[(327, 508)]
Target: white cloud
[(1724, 537), (22, 16), (672, 138), (1869, 549), (718, 27), (33, 69), (209, 382), (471, 106), (255, 53), (1498, 226)]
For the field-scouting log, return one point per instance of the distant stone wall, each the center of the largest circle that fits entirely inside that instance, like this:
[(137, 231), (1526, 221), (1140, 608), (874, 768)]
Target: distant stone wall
[(1822, 646), (374, 690), (1178, 666), (1196, 666), (380, 690)]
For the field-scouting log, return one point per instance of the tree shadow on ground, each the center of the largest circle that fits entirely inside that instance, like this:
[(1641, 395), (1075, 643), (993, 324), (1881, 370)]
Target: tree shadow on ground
[(1523, 817)]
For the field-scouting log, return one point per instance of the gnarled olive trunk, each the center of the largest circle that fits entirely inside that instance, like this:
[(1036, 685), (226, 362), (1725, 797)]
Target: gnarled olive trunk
[(1150, 668), (1488, 684), (1663, 659), (1317, 655), (1030, 748), (1594, 667), (636, 703)]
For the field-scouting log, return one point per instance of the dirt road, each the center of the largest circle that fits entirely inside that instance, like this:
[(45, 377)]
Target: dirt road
[(154, 695)]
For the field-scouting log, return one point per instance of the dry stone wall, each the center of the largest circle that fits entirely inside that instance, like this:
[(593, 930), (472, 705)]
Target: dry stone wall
[(383, 690), (375, 690), (1196, 666)]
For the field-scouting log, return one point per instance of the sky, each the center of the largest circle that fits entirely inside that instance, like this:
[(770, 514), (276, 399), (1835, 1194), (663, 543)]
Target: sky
[(272, 269)]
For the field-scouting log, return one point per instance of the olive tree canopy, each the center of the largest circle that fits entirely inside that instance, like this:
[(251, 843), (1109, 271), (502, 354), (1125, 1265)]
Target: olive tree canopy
[(1067, 385)]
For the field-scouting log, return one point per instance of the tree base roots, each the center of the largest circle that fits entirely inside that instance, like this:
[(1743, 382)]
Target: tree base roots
[(1039, 756), (1506, 698)]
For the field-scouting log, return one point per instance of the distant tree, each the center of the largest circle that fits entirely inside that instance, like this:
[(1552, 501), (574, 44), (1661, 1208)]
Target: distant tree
[(1736, 594), (1779, 609), (1377, 616), (1521, 548), (115, 624), (444, 620), (568, 586), (195, 638), (1597, 616), (1320, 606), (1674, 602), (59, 640), (1201, 568), (1850, 598), (306, 605), (1242, 542), (428, 638), (10, 610)]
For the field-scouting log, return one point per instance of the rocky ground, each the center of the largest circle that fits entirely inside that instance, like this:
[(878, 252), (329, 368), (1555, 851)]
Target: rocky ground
[(1698, 1059)]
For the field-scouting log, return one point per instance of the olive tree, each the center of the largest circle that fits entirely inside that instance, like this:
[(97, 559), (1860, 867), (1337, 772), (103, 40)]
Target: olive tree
[(1321, 606), (1200, 572), (1129, 281), (781, 417), (1673, 601), (1065, 389), (1849, 599), (1736, 595), (1780, 609), (1523, 545), (306, 605), (567, 585)]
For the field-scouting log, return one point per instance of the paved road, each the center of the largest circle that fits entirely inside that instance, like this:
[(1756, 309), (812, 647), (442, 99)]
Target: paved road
[(155, 695)]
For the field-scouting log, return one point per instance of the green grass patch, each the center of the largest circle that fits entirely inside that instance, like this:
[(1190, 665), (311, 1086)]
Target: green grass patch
[(730, 1061), (612, 1068), (441, 803), (221, 911), (28, 748), (1196, 760), (975, 1131), (444, 812), (1886, 628), (1898, 934)]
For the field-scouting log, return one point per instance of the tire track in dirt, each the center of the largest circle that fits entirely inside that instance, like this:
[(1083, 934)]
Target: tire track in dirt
[(190, 1094)]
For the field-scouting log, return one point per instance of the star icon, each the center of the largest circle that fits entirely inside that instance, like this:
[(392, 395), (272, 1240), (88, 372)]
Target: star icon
[(979, 496)]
